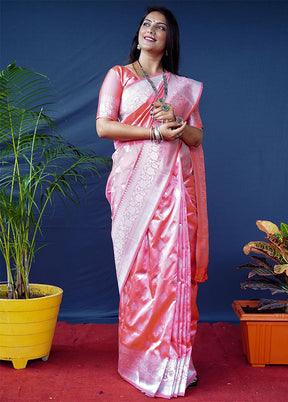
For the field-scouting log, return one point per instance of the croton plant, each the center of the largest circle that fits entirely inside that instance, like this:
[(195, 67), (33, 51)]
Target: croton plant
[(269, 272)]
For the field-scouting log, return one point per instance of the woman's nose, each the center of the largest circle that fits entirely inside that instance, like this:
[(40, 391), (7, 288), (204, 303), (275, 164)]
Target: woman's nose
[(152, 30)]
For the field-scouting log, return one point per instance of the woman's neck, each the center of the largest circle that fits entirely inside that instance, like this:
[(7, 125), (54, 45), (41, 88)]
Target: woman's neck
[(151, 64)]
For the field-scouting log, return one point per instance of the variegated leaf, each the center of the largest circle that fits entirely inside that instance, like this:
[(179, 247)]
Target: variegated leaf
[(269, 304), (265, 284), (248, 265), (284, 229), (267, 227), (277, 242), (280, 269), (260, 271), (262, 247), (262, 261)]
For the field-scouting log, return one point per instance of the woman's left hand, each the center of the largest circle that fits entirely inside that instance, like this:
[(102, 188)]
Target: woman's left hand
[(173, 130), (159, 114)]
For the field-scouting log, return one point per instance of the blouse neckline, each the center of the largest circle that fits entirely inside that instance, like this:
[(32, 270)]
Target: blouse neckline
[(136, 76)]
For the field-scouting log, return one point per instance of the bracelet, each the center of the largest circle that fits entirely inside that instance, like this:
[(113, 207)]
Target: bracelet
[(161, 135), (156, 135), (151, 134)]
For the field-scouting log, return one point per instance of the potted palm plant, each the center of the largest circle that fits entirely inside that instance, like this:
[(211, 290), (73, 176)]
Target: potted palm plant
[(264, 322), (37, 165)]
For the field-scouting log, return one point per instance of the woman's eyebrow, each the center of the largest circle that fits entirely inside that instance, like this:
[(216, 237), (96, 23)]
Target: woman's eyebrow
[(158, 22)]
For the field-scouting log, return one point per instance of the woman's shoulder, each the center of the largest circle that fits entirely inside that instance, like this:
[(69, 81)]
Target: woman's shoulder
[(116, 69), (122, 69), (124, 73)]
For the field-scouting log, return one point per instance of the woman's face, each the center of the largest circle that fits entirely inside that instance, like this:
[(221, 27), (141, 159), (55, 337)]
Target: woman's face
[(153, 33)]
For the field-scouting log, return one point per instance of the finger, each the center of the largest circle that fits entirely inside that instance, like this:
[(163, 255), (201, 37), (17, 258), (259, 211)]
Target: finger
[(160, 104), (162, 116), (166, 107), (174, 125), (161, 110), (182, 125), (156, 111), (179, 131), (169, 112)]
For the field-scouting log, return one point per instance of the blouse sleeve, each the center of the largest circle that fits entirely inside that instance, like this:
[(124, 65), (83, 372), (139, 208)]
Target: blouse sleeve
[(195, 119), (110, 96)]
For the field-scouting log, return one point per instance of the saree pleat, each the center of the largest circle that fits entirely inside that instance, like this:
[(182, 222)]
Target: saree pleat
[(155, 342)]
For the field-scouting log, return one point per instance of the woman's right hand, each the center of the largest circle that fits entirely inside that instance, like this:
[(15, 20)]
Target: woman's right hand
[(172, 130)]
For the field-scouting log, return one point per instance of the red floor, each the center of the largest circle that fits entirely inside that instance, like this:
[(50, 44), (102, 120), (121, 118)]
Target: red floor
[(83, 367)]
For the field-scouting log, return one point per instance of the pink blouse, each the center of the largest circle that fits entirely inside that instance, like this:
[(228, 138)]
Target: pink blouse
[(115, 102)]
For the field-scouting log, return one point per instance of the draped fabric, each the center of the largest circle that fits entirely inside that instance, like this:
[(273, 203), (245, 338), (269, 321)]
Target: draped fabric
[(159, 232)]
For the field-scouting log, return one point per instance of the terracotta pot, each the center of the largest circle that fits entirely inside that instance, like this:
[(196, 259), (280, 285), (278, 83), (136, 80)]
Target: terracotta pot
[(264, 336), (27, 326)]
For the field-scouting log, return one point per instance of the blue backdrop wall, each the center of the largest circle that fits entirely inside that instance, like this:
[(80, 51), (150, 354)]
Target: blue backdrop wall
[(239, 50)]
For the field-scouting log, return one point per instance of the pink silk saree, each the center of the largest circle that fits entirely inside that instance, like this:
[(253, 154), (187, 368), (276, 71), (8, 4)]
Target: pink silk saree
[(157, 195)]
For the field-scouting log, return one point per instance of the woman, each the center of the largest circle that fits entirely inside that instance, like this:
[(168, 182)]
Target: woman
[(157, 194)]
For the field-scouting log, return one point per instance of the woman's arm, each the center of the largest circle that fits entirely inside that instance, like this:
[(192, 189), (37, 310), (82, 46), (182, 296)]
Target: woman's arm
[(192, 136), (114, 130)]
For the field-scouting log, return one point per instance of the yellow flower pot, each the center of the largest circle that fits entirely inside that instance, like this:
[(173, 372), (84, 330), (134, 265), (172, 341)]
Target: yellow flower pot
[(27, 326)]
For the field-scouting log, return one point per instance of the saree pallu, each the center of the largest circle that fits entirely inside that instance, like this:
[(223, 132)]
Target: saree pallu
[(159, 233)]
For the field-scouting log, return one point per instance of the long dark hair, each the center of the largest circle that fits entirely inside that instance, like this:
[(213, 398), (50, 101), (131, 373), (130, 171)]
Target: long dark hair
[(170, 60)]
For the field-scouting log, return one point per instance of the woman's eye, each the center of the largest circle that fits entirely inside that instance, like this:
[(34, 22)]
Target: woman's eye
[(162, 28), (145, 24)]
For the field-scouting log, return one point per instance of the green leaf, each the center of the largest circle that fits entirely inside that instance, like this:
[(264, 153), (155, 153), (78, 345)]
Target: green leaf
[(262, 247), (284, 229), (36, 164)]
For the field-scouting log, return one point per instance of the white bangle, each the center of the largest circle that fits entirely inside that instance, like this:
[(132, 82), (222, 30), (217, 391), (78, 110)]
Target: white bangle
[(158, 135), (161, 135), (151, 134)]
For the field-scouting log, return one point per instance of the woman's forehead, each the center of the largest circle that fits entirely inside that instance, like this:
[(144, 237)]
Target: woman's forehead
[(156, 17)]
